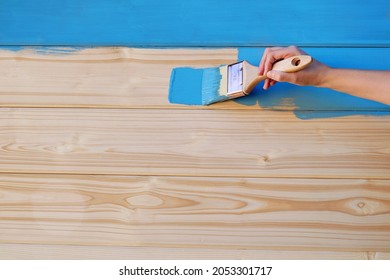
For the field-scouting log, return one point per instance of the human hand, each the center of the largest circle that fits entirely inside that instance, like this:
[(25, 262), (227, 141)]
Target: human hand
[(312, 75)]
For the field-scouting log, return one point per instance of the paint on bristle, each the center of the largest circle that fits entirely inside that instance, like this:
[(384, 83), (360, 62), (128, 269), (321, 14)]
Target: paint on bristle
[(214, 85), (192, 86)]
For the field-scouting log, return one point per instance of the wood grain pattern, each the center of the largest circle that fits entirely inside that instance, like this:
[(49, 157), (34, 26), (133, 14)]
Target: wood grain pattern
[(96, 77), (66, 252), (227, 213), (229, 143), (382, 256)]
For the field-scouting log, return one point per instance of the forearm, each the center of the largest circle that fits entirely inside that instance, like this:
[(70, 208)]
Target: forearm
[(367, 84), (374, 85)]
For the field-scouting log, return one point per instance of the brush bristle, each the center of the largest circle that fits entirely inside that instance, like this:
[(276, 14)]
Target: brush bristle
[(214, 85)]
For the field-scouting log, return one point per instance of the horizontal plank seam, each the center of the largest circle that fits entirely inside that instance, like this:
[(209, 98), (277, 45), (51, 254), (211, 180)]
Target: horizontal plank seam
[(150, 46), (191, 108), (208, 246), (192, 176), (301, 249)]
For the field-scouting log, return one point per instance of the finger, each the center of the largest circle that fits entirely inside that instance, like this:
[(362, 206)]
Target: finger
[(266, 84), (278, 54), (273, 82), (282, 76), (270, 60), (261, 64), (275, 75), (264, 57)]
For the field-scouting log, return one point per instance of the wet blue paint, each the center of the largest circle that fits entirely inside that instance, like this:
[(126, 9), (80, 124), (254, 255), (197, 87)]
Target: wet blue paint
[(44, 49), (191, 86), (55, 50), (308, 115), (186, 86), (195, 23), (12, 48)]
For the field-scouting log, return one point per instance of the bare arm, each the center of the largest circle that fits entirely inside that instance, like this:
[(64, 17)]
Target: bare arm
[(367, 84)]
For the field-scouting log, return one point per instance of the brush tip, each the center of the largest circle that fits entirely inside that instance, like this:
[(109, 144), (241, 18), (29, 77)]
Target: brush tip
[(214, 85)]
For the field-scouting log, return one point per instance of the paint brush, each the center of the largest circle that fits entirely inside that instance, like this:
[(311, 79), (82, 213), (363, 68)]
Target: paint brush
[(239, 79)]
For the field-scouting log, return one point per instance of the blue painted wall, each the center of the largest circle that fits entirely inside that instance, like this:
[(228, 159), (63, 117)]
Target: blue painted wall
[(195, 22)]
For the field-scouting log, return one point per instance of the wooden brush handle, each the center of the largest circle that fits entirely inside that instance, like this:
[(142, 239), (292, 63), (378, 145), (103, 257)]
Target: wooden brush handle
[(288, 65)]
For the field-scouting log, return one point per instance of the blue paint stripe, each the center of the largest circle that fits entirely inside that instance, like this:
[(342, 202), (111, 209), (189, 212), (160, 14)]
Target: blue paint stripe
[(186, 86), (303, 99), (284, 95), (308, 115), (195, 22)]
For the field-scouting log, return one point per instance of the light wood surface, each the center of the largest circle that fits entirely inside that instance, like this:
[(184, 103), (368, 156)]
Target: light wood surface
[(193, 143), (140, 178), (196, 212), (97, 77), (48, 252)]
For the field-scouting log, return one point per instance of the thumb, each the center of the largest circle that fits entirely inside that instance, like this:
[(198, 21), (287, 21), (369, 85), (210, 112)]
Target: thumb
[(281, 76)]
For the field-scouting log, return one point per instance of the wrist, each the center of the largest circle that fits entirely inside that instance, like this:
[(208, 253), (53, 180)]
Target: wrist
[(326, 77)]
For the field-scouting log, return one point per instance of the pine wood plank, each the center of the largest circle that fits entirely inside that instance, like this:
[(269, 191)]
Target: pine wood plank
[(193, 143), (382, 256), (68, 252), (191, 212), (139, 78), (195, 23), (97, 77)]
